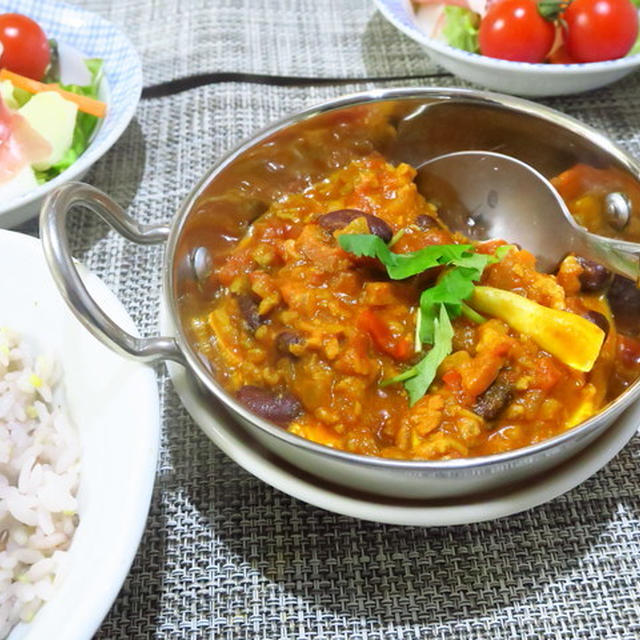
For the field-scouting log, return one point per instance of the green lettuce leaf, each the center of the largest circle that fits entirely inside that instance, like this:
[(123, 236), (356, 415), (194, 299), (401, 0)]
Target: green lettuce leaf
[(21, 96), (461, 28), (53, 70), (85, 123), (636, 47)]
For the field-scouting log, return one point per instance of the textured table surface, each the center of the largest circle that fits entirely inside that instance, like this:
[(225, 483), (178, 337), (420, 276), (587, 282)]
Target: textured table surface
[(225, 555)]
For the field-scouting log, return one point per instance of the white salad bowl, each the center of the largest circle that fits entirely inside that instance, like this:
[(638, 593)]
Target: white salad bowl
[(518, 78), (113, 404), (79, 34)]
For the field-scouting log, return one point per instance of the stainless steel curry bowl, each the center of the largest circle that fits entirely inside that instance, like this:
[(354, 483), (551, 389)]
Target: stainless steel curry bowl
[(410, 125)]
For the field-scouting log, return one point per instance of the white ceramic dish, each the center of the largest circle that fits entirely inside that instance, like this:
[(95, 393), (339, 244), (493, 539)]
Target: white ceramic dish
[(519, 78), (114, 404), (80, 34), (245, 450)]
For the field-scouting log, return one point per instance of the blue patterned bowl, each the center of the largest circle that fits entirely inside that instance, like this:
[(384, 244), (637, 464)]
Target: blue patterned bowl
[(519, 78), (82, 33)]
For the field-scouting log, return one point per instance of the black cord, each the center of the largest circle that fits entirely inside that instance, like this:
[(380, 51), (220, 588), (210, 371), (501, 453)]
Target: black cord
[(191, 82)]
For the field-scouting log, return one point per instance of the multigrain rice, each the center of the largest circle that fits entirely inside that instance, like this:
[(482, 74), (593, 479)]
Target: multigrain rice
[(39, 474)]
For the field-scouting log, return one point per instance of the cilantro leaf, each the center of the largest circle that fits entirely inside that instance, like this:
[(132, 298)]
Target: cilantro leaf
[(471, 314), (455, 286), (475, 262), (438, 304), (405, 265), (401, 377), (426, 369)]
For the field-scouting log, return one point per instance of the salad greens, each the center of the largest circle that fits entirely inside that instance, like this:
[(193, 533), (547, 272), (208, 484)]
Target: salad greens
[(85, 123), (636, 46), (461, 28), (53, 70), (438, 305), (60, 118)]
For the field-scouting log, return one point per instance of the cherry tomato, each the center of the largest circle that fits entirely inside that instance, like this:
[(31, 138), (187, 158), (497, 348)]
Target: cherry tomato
[(515, 30), (25, 49), (600, 29)]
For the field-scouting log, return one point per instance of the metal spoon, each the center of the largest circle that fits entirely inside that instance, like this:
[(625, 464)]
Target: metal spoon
[(487, 195)]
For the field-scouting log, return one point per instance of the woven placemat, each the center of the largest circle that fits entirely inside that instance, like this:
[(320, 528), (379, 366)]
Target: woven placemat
[(310, 38), (226, 556)]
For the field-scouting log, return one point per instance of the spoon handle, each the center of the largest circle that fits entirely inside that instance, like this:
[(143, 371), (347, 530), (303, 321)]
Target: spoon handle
[(620, 256)]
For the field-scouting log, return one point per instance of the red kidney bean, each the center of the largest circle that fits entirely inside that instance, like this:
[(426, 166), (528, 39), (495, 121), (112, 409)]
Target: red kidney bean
[(594, 276), (279, 407), (286, 339), (249, 310), (494, 400), (624, 298), (342, 217), (425, 223)]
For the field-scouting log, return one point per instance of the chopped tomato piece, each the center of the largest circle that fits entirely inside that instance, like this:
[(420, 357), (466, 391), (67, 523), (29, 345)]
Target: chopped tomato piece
[(489, 248), (398, 347), (478, 375), (452, 379), (547, 374)]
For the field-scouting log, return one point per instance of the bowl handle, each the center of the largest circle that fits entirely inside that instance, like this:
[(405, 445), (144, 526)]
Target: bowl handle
[(53, 217)]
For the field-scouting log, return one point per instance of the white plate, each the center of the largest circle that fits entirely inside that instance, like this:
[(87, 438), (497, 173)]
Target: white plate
[(81, 32), (114, 404), (241, 447)]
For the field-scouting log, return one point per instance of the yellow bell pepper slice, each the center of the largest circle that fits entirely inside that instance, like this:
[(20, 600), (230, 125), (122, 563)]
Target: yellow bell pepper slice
[(567, 336)]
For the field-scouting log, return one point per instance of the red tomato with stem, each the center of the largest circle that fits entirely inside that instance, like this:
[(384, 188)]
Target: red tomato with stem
[(515, 30), (599, 30), (25, 48)]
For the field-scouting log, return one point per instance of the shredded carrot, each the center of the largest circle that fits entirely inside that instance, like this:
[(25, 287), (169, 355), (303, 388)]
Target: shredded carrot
[(85, 104)]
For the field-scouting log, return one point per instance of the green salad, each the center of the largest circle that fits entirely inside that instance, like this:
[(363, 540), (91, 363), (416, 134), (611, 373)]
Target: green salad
[(45, 125)]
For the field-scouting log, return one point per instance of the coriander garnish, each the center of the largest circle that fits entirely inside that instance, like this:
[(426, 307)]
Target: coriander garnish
[(438, 304)]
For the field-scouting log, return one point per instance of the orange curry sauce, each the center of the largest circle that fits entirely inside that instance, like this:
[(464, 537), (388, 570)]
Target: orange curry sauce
[(297, 315)]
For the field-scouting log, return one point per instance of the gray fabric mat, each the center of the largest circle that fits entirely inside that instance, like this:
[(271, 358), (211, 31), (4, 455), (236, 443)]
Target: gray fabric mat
[(325, 38), (225, 555)]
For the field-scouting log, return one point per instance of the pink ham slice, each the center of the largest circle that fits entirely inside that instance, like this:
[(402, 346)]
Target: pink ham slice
[(20, 144), (430, 14)]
